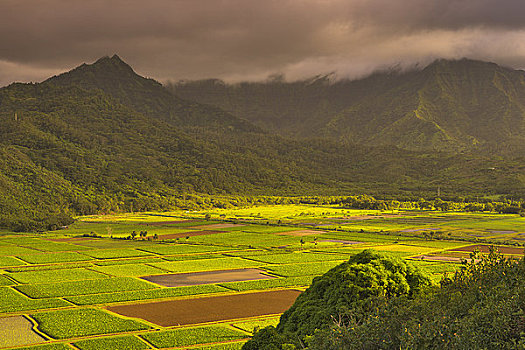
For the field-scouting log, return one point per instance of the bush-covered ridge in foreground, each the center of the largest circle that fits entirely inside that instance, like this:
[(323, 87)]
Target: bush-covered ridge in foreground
[(480, 307), (347, 290)]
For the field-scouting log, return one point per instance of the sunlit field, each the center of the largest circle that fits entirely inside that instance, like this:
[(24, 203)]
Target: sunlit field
[(124, 281)]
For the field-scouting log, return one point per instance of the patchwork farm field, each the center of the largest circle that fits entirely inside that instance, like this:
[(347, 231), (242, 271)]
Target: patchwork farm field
[(207, 279)]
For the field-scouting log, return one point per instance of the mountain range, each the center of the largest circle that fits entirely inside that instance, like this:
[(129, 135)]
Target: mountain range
[(450, 105), (102, 138)]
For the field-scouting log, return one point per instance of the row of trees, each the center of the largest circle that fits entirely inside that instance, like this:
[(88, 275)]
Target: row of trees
[(368, 202)]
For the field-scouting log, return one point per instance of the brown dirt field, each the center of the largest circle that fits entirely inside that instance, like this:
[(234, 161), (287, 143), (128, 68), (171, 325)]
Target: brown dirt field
[(301, 233), (208, 277), (210, 309), (485, 249), (439, 258), (189, 233), (214, 226)]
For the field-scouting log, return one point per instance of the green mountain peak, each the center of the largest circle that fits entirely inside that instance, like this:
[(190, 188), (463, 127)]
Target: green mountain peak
[(450, 105), (117, 79)]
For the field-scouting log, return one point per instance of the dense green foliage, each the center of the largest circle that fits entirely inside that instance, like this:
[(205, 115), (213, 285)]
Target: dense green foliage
[(101, 138), (345, 291), (480, 307)]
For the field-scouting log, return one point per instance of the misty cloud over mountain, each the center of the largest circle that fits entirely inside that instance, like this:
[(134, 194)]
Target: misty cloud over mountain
[(249, 40)]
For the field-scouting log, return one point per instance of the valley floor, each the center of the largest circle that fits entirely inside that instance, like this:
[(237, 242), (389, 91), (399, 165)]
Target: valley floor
[(207, 279)]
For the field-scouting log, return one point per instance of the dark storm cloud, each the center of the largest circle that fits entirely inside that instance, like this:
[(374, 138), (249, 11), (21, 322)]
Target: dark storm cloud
[(250, 39)]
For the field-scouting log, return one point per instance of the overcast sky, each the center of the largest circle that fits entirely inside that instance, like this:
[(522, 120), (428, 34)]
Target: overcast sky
[(251, 39)]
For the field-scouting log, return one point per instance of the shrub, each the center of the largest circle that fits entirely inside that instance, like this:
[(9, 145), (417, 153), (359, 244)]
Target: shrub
[(348, 291)]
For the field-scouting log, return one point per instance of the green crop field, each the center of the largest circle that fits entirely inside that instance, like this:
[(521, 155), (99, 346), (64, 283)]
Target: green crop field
[(116, 253), (48, 246), (13, 301), (54, 346), (55, 276), (174, 249), (128, 342), (159, 293), (128, 270), (192, 336), (49, 258), (226, 346), (269, 283), (6, 261), (4, 281), (250, 326), (65, 286), (304, 269), (63, 324), (195, 256), (26, 268), (298, 257), (128, 261), (13, 250), (226, 263), (106, 285)]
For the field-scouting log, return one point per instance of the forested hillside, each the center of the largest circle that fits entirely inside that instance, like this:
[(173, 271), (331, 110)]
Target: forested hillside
[(102, 138), (451, 106)]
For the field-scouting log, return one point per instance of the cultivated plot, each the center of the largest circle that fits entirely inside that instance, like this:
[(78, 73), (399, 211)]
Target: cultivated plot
[(17, 330), (210, 309), (197, 278)]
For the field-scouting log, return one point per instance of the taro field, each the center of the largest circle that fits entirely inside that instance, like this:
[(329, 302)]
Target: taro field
[(207, 280)]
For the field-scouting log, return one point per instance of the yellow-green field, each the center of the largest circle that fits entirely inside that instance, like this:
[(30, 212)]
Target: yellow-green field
[(56, 287)]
